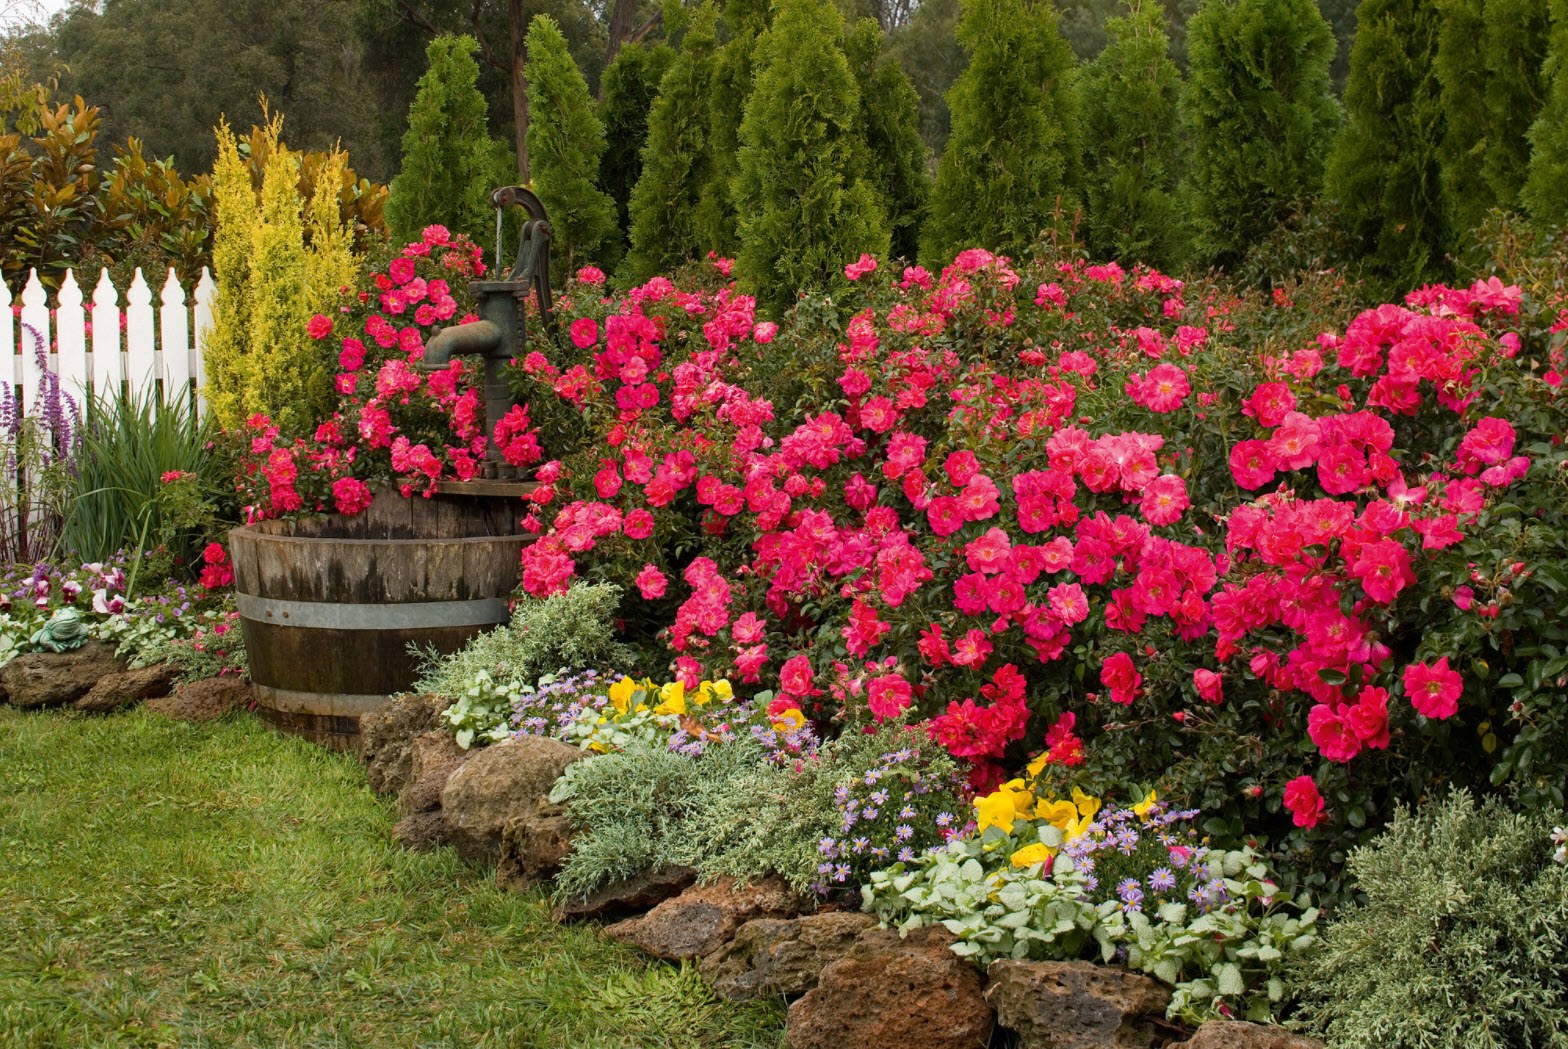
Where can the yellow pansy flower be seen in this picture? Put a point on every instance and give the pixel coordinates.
(674, 699)
(1037, 765)
(996, 810)
(787, 721)
(1031, 854)
(1023, 797)
(621, 693)
(723, 691)
(1059, 814)
(1087, 804)
(1143, 807)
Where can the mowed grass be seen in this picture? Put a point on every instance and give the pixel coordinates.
(171, 884)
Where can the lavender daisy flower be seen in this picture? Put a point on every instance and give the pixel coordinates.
(1162, 880)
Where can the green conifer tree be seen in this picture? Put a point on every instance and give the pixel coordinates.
(565, 144)
(1133, 146)
(890, 114)
(677, 165)
(1461, 69)
(744, 22)
(1258, 115)
(1489, 59)
(1515, 44)
(1546, 185)
(1384, 167)
(628, 90)
(450, 162)
(1012, 163)
(806, 206)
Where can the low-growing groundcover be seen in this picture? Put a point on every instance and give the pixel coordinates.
(171, 884)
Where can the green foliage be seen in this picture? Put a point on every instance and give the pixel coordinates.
(129, 443)
(890, 114)
(928, 50)
(627, 93)
(806, 202)
(734, 76)
(630, 809)
(1459, 941)
(450, 162)
(568, 631)
(1132, 144)
(1545, 191)
(677, 164)
(1515, 45)
(260, 359)
(1012, 166)
(251, 893)
(1383, 171)
(1258, 114)
(1232, 954)
(565, 146)
(1461, 69)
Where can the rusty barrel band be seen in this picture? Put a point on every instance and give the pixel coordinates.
(330, 615)
(319, 704)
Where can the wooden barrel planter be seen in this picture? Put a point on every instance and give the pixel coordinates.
(329, 605)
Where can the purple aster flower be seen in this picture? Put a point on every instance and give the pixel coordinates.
(1130, 892)
(904, 832)
(1162, 880)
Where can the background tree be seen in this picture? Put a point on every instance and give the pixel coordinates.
(1383, 171)
(1546, 184)
(1259, 118)
(890, 115)
(1514, 42)
(1133, 149)
(565, 145)
(450, 162)
(1012, 163)
(165, 71)
(806, 206)
(1461, 70)
(733, 78)
(677, 165)
(628, 89)
(929, 53)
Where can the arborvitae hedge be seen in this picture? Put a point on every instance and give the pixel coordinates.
(1461, 69)
(565, 143)
(450, 162)
(665, 230)
(1012, 164)
(628, 89)
(1133, 148)
(1515, 45)
(1384, 169)
(890, 115)
(1259, 117)
(1546, 186)
(806, 207)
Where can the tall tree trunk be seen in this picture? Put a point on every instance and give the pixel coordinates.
(519, 85)
(623, 18)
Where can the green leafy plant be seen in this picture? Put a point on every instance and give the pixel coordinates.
(573, 630)
(1458, 942)
(146, 476)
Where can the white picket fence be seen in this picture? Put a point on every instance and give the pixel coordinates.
(88, 349)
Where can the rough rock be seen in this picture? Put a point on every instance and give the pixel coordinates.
(204, 700)
(628, 896)
(703, 918)
(118, 691)
(496, 784)
(1235, 1034)
(534, 847)
(769, 957)
(435, 755)
(420, 831)
(892, 993)
(1076, 1005)
(387, 739)
(53, 679)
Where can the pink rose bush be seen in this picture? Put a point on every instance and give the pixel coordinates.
(998, 495)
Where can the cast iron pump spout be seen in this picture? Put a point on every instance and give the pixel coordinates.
(500, 334)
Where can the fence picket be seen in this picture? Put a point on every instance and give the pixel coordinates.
(141, 341)
(35, 315)
(12, 374)
(174, 322)
(71, 328)
(206, 292)
(107, 370)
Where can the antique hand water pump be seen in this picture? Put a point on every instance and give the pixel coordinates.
(500, 334)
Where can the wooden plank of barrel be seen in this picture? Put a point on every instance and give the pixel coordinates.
(329, 605)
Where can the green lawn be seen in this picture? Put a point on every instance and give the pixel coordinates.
(170, 884)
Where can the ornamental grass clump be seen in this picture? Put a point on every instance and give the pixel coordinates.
(1459, 941)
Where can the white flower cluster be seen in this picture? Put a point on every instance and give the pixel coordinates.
(1560, 839)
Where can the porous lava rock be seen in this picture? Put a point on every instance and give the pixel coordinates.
(770, 957)
(495, 785)
(204, 700)
(119, 691)
(703, 918)
(627, 896)
(534, 847)
(53, 679)
(434, 757)
(1237, 1034)
(1077, 1005)
(386, 738)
